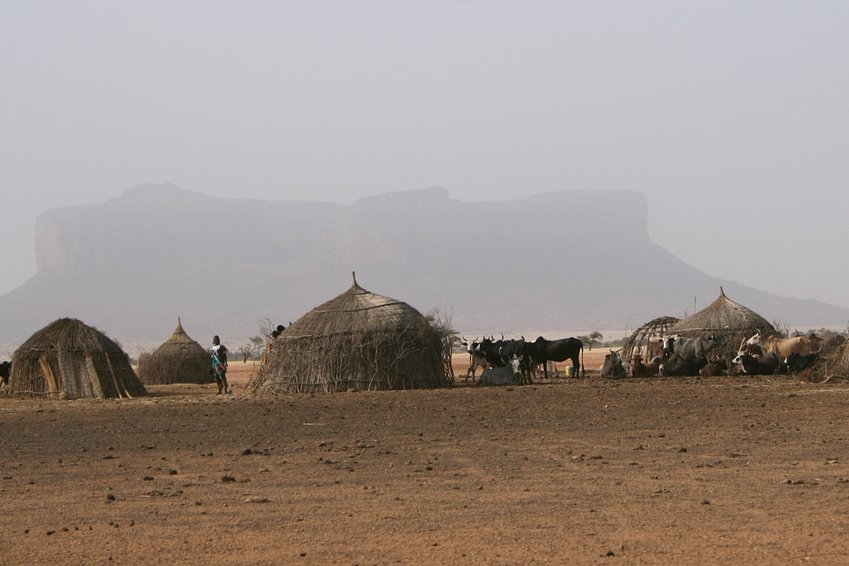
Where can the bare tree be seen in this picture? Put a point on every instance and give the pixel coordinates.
(266, 327)
(257, 343)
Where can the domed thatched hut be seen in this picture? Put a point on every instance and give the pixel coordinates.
(724, 319)
(178, 360)
(647, 340)
(359, 340)
(68, 360)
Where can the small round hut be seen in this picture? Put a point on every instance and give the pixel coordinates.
(359, 340)
(69, 360)
(647, 340)
(724, 319)
(178, 360)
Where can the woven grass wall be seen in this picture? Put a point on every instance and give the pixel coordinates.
(176, 365)
(69, 360)
(366, 360)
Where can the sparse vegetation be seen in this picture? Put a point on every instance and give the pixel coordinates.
(590, 339)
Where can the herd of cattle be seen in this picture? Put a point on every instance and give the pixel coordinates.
(757, 355)
(509, 362)
(506, 362)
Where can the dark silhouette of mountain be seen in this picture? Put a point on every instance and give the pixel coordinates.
(565, 260)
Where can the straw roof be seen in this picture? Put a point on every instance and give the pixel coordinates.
(178, 360)
(647, 339)
(68, 359)
(358, 340)
(726, 319)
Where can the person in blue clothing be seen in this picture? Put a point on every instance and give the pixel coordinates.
(219, 365)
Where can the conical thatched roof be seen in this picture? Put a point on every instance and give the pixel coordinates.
(358, 340)
(178, 360)
(726, 319)
(647, 340)
(355, 310)
(68, 359)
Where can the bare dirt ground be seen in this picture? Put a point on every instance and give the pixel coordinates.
(731, 470)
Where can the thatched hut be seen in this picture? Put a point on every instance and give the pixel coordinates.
(724, 319)
(69, 360)
(178, 360)
(359, 340)
(647, 340)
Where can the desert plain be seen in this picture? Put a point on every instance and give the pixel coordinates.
(730, 470)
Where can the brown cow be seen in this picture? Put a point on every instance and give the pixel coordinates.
(646, 370)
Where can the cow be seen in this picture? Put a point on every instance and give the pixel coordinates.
(5, 372)
(490, 349)
(476, 358)
(613, 366)
(646, 370)
(542, 351)
(782, 347)
(507, 375)
(758, 365)
(510, 348)
(799, 362)
(690, 347)
(677, 365)
(714, 368)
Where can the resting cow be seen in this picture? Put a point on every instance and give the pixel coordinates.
(507, 375)
(677, 365)
(757, 364)
(711, 369)
(646, 370)
(690, 347)
(799, 362)
(613, 366)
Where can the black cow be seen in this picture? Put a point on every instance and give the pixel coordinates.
(5, 372)
(541, 351)
(799, 362)
(677, 365)
(491, 351)
(766, 364)
(510, 348)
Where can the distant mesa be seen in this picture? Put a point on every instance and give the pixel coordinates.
(554, 261)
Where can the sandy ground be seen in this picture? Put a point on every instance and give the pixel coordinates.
(724, 470)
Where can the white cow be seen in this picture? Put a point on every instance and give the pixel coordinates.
(476, 358)
(510, 374)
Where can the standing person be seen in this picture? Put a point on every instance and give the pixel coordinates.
(219, 365)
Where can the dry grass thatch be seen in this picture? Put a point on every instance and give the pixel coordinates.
(647, 339)
(178, 360)
(359, 340)
(725, 319)
(68, 360)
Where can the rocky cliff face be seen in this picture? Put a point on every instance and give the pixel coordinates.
(553, 261)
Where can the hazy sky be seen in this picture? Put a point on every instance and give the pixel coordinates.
(732, 117)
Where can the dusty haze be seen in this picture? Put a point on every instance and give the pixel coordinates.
(730, 117)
